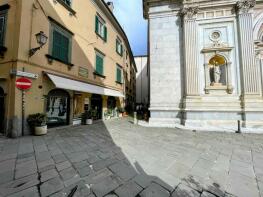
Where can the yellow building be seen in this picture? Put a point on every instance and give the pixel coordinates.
(75, 53)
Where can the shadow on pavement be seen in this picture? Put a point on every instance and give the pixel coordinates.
(86, 156)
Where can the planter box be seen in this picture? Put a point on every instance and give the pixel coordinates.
(76, 121)
(88, 121)
(42, 130)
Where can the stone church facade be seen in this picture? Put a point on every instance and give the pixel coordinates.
(206, 62)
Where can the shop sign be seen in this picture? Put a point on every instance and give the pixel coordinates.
(24, 74)
(86, 101)
(83, 72)
(23, 83)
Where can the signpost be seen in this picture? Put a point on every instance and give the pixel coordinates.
(23, 84)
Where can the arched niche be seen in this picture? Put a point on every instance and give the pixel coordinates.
(218, 71)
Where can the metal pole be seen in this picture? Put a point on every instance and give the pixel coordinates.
(23, 112)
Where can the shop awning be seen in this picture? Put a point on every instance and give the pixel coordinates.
(69, 84)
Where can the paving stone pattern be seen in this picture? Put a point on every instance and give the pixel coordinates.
(119, 159)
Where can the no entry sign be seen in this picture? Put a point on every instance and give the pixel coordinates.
(23, 83)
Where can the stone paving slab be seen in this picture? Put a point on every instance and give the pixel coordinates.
(119, 159)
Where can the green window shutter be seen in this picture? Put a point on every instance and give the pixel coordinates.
(60, 48)
(105, 33)
(56, 44)
(97, 24)
(117, 46)
(119, 77)
(99, 65)
(121, 50)
(64, 48)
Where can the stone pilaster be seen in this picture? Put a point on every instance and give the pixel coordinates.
(191, 51)
(250, 70)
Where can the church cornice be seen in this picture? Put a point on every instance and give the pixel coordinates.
(202, 4)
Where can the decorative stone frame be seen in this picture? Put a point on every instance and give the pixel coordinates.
(225, 53)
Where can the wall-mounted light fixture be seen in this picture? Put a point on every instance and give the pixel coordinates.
(41, 40)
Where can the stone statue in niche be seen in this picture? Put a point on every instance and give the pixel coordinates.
(215, 74)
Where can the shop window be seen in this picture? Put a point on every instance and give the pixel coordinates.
(58, 108)
(99, 64)
(111, 103)
(61, 43)
(100, 28)
(78, 105)
(118, 74)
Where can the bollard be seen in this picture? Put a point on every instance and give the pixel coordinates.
(238, 127)
(135, 121)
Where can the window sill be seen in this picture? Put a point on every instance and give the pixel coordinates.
(98, 74)
(100, 36)
(119, 82)
(67, 7)
(119, 54)
(50, 57)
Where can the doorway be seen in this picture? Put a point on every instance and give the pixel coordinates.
(2, 110)
(58, 108)
(96, 106)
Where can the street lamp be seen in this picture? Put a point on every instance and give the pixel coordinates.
(41, 40)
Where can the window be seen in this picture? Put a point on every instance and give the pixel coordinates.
(67, 2)
(100, 28)
(3, 16)
(119, 74)
(119, 47)
(61, 43)
(99, 64)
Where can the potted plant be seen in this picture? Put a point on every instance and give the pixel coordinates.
(121, 111)
(87, 118)
(38, 123)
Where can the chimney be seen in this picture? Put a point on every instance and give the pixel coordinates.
(110, 5)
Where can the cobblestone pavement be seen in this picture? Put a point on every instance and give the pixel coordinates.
(117, 158)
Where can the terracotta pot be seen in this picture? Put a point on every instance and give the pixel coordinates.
(41, 130)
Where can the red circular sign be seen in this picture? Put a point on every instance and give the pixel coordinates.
(23, 83)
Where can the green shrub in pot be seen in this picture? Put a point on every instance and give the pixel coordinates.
(38, 122)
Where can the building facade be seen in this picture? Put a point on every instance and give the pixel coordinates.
(79, 64)
(206, 63)
(142, 81)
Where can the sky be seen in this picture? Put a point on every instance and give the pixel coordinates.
(130, 15)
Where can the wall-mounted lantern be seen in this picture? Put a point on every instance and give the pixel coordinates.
(41, 40)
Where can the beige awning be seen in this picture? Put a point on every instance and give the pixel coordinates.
(69, 84)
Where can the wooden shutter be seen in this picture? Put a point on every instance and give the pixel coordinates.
(97, 24)
(105, 33)
(99, 65)
(60, 46)
(119, 77)
(2, 30)
(121, 50)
